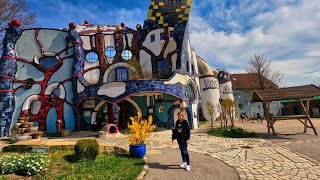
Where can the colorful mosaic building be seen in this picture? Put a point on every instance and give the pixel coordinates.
(90, 75)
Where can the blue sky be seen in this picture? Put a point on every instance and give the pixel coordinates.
(224, 32)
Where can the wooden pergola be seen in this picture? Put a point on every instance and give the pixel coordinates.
(297, 93)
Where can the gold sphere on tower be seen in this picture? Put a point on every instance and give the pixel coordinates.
(138, 26)
(100, 29)
(119, 28)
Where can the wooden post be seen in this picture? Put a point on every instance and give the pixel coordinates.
(307, 113)
(271, 121)
(307, 116)
(266, 107)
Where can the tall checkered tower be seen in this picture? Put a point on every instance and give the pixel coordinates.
(169, 12)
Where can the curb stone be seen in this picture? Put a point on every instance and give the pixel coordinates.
(316, 162)
(145, 169)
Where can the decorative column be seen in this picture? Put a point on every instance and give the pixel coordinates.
(115, 110)
(8, 69)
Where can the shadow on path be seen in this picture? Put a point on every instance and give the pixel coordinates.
(165, 166)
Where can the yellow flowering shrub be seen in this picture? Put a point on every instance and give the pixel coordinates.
(140, 129)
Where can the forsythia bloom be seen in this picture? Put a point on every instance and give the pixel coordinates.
(140, 129)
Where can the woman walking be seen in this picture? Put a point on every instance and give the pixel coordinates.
(181, 132)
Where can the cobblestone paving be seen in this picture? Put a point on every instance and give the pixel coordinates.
(252, 158)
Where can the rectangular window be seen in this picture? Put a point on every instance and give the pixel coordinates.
(188, 66)
(151, 102)
(192, 70)
(170, 1)
(152, 38)
(121, 74)
(166, 17)
(162, 36)
(178, 1)
(164, 69)
(171, 33)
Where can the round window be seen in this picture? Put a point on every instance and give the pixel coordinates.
(92, 57)
(110, 52)
(126, 55)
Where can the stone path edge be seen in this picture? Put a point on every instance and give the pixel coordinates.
(303, 156)
(145, 169)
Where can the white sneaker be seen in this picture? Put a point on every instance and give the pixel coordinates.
(188, 168)
(183, 165)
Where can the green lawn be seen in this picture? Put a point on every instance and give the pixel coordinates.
(231, 132)
(64, 165)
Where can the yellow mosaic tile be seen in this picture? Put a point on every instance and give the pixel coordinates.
(152, 18)
(161, 20)
(150, 13)
(187, 11)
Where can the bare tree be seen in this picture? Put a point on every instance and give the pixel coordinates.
(213, 110)
(14, 9)
(227, 106)
(262, 75)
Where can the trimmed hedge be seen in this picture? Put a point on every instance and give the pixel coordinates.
(17, 148)
(86, 149)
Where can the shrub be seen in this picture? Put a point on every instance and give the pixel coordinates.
(86, 149)
(17, 148)
(231, 132)
(24, 164)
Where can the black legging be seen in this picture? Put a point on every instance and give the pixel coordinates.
(183, 146)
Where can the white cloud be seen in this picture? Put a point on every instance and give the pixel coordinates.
(288, 36)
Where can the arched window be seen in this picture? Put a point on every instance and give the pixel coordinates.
(192, 94)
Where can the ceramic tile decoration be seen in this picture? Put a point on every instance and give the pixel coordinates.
(94, 74)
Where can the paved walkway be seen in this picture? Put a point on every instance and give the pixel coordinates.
(164, 165)
(251, 158)
(289, 134)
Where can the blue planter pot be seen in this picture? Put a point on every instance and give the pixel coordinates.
(137, 151)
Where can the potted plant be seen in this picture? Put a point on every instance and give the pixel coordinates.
(140, 130)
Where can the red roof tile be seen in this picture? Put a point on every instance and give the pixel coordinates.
(244, 81)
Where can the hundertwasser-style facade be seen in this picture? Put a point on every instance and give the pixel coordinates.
(91, 74)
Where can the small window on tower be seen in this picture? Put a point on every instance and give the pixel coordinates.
(152, 38)
(171, 33)
(162, 36)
